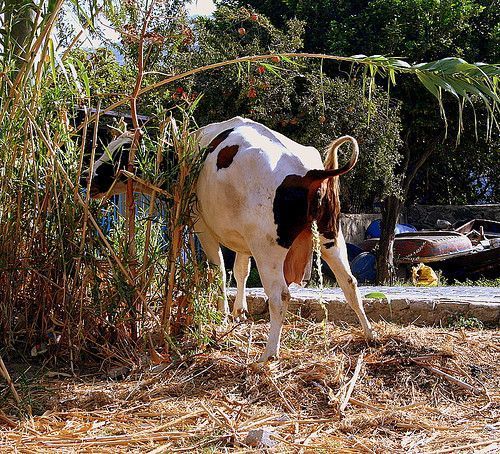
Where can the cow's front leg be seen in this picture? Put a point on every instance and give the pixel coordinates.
(241, 271)
(279, 297)
(270, 268)
(335, 254)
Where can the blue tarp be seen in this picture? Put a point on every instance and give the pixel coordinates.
(353, 251)
(373, 230)
(364, 267)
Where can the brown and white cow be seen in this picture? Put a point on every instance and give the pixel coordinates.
(258, 194)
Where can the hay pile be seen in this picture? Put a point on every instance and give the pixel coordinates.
(416, 390)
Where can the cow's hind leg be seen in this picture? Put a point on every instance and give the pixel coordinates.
(336, 257)
(241, 271)
(270, 266)
(213, 252)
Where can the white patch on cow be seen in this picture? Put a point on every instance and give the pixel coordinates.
(107, 156)
(207, 133)
(308, 155)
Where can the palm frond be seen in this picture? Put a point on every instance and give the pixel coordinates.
(452, 75)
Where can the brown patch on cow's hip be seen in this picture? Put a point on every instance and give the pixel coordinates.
(298, 202)
(226, 156)
(298, 257)
(301, 200)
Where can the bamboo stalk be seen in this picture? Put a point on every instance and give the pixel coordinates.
(146, 257)
(174, 253)
(146, 184)
(130, 202)
(61, 169)
(10, 383)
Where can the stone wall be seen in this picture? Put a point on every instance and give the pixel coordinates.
(425, 216)
(415, 305)
(354, 226)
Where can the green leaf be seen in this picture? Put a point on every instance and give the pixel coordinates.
(290, 61)
(84, 77)
(376, 295)
(429, 84)
(447, 65)
(194, 104)
(74, 75)
(52, 59)
(273, 69)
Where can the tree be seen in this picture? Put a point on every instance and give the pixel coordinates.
(295, 99)
(459, 176)
(419, 30)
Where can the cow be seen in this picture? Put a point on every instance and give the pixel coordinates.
(258, 193)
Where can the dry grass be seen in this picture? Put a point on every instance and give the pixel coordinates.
(208, 402)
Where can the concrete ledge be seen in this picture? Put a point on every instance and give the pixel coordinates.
(418, 305)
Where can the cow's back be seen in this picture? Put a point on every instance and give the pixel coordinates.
(246, 162)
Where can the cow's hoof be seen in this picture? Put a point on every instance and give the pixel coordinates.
(257, 366)
(264, 358)
(262, 365)
(372, 336)
(240, 316)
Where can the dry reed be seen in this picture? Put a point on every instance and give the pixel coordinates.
(68, 289)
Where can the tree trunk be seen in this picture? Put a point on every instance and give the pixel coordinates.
(391, 209)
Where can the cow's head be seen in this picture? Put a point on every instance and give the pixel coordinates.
(105, 177)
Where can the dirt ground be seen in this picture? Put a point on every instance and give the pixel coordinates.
(417, 390)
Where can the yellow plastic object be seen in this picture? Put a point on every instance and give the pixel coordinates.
(424, 275)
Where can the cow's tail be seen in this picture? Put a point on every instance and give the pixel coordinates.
(328, 216)
(331, 161)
